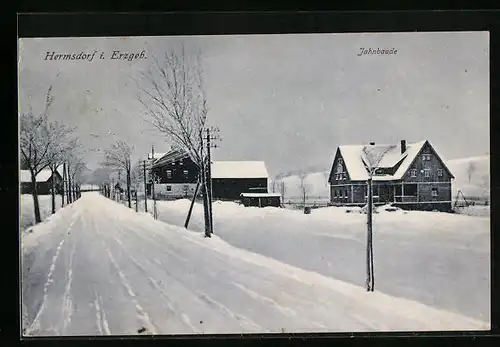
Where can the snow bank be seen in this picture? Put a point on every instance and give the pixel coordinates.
(27, 210)
(422, 256)
(30, 237)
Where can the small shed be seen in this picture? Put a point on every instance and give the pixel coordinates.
(261, 199)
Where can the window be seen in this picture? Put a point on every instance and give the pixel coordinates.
(410, 190)
(335, 192)
(414, 173)
(340, 193)
(181, 162)
(186, 173)
(440, 172)
(427, 173)
(169, 174)
(346, 194)
(426, 157)
(169, 188)
(434, 192)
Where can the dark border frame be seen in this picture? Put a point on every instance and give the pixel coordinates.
(275, 22)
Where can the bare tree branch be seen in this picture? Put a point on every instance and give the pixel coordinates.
(172, 94)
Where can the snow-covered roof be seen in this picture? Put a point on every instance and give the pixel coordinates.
(355, 158)
(239, 169)
(260, 195)
(156, 155)
(42, 176)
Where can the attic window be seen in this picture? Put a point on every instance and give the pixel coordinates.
(440, 172)
(413, 173)
(426, 157)
(169, 174)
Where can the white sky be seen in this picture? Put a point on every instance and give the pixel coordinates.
(289, 100)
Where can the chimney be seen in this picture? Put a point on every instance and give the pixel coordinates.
(403, 146)
(152, 152)
(372, 143)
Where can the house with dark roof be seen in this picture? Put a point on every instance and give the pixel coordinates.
(43, 181)
(176, 176)
(410, 176)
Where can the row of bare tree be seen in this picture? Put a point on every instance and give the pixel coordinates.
(46, 144)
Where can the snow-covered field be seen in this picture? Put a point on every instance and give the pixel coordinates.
(439, 259)
(27, 209)
(99, 268)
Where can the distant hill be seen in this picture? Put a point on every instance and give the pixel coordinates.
(478, 187)
(479, 184)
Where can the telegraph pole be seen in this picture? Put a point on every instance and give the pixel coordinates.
(209, 183)
(209, 137)
(145, 189)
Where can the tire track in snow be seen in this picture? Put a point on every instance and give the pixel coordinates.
(183, 317)
(36, 321)
(101, 321)
(213, 303)
(202, 297)
(35, 324)
(256, 296)
(67, 308)
(244, 321)
(142, 315)
(226, 258)
(151, 240)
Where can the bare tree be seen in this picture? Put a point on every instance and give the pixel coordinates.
(304, 187)
(118, 158)
(326, 175)
(471, 169)
(174, 101)
(35, 140)
(58, 152)
(76, 167)
(371, 156)
(282, 189)
(273, 184)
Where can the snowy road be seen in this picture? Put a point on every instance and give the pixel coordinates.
(99, 268)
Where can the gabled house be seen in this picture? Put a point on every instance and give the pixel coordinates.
(43, 182)
(175, 175)
(410, 176)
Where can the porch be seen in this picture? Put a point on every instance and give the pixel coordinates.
(389, 192)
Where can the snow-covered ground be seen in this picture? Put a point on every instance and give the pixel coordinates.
(27, 209)
(439, 259)
(97, 267)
